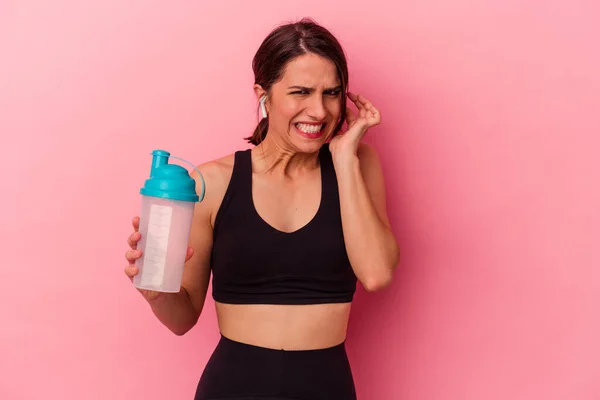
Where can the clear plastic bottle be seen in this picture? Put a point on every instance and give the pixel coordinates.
(168, 200)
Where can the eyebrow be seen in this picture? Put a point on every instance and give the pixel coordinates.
(339, 87)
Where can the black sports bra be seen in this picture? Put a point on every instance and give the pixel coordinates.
(254, 263)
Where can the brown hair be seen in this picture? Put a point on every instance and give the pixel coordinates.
(287, 42)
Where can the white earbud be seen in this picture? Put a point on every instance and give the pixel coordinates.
(263, 109)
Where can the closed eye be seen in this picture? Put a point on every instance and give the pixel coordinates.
(333, 93)
(300, 90)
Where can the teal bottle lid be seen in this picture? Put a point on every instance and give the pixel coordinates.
(170, 181)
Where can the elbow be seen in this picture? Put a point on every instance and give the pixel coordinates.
(181, 330)
(382, 279)
(184, 327)
(376, 283)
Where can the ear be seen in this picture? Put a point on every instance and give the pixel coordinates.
(259, 91)
(262, 99)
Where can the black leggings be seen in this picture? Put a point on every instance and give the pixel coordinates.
(239, 371)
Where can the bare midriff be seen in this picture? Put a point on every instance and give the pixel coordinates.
(285, 327)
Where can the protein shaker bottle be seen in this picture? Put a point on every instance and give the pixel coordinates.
(168, 199)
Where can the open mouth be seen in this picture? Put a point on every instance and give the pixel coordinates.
(311, 131)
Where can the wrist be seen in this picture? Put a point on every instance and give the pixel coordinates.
(158, 299)
(344, 159)
(346, 166)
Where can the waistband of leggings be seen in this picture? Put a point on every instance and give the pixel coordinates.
(225, 340)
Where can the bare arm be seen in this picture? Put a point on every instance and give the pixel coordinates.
(371, 245)
(179, 312)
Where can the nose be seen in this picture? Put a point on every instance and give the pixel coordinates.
(316, 108)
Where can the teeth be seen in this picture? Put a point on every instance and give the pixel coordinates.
(309, 128)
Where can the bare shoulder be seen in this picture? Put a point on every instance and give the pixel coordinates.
(217, 171)
(369, 158)
(216, 175)
(366, 151)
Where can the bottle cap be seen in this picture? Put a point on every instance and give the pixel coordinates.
(169, 181)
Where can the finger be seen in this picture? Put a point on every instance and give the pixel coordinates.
(136, 223)
(363, 101)
(376, 115)
(189, 254)
(363, 112)
(352, 96)
(132, 255)
(133, 239)
(131, 271)
(368, 106)
(373, 111)
(354, 99)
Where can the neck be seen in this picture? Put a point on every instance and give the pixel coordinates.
(276, 156)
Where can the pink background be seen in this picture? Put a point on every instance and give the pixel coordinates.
(490, 147)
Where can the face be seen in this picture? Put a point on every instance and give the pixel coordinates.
(305, 105)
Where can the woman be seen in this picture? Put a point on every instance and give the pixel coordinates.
(287, 228)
